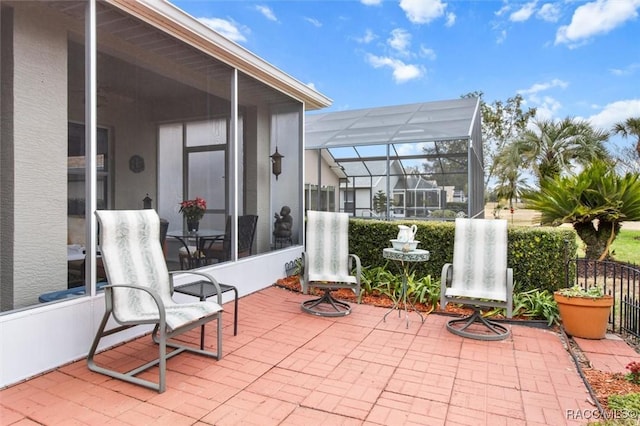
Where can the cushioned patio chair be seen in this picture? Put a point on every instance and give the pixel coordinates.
(140, 291)
(327, 263)
(478, 277)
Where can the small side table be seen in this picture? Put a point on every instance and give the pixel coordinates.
(205, 289)
(407, 260)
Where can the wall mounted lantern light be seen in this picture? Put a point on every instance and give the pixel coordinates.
(146, 202)
(276, 163)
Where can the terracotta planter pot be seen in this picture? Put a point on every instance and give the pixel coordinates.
(583, 316)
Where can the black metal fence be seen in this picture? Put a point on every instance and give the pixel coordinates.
(622, 281)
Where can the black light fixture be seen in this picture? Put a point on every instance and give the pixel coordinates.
(276, 163)
(146, 202)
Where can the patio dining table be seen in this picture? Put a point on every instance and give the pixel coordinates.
(196, 236)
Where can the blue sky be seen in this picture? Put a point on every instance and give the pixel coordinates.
(567, 58)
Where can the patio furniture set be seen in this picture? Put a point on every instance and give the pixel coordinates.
(140, 288)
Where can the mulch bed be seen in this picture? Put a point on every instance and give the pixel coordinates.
(607, 384)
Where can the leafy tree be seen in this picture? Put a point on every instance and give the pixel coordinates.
(446, 163)
(595, 201)
(554, 146)
(502, 124)
(630, 127)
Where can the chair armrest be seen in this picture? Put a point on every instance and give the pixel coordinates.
(356, 259)
(509, 292)
(304, 277)
(108, 294)
(202, 274)
(445, 281)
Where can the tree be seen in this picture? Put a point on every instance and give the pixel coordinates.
(511, 184)
(502, 124)
(630, 127)
(380, 202)
(595, 201)
(554, 147)
(446, 162)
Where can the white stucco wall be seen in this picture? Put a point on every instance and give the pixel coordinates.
(40, 136)
(329, 178)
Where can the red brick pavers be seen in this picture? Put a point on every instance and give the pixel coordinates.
(286, 367)
(611, 354)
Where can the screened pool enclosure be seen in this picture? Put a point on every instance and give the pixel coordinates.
(419, 160)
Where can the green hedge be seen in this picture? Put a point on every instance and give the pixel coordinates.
(536, 254)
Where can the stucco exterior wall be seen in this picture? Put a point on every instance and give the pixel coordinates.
(328, 177)
(40, 138)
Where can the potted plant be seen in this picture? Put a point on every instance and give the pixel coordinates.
(584, 313)
(193, 211)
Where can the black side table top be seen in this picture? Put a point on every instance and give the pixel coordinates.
(202, 289)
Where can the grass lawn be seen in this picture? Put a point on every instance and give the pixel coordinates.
(626, 247)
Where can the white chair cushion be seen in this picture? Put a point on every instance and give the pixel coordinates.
(131, 248)
(327, 246)
(480, 259)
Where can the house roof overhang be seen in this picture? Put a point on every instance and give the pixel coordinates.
(174, 21)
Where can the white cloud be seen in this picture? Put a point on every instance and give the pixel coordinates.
(506, 7)
(401, 72)
(371, 2)
(539, 87)
(628, 70)
(615, 112)
(549, 12)
(423, 11)
(314, 22)
(524, 13)
(367, 38)
(311, 85)
(502, 36)
(594, 18)
(400, 40)
(428, 53)
(451, 19)
(267, 12)
(226, 28)
(546, 107)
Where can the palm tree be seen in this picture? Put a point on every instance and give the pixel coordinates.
(596, 202)
(554, 146)
(630, 127)
(511, 184)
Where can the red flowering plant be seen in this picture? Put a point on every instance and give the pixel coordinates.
(634, 375)
(193, 210)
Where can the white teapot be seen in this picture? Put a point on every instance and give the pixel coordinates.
(407, 233)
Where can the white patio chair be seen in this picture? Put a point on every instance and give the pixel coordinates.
(478, 277)
(140, 291)
(327, 263)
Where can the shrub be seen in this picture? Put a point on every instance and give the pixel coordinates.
(535, 304)
(628, 403)
(537, 255)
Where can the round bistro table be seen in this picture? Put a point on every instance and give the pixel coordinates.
(407, 262)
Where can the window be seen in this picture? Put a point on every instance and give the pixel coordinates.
(76, 164)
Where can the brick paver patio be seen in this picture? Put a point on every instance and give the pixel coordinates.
(286, 367)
